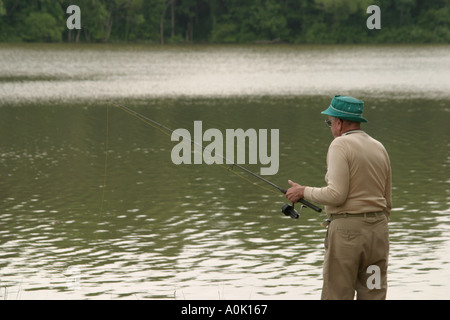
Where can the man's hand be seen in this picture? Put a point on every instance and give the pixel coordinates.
(295, 192)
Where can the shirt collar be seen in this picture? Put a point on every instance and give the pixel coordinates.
(352, 131)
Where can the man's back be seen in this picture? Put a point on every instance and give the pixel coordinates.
(358, 177)
(369, 173)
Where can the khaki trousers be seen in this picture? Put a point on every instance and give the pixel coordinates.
(356, 258)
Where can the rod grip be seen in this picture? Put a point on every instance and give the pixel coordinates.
(304, 202)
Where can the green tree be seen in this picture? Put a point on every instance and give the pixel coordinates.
(41, 27)
(2, 8)
(341, 10)
(225, 21)
(94, 20)
(268, 20)
(257, 20)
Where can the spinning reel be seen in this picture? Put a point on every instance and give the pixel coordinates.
(289, 210)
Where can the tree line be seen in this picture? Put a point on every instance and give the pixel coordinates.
(226, 21)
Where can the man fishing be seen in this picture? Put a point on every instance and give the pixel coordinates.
(357, 200)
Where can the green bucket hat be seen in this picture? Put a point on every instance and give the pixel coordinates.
(346, 108)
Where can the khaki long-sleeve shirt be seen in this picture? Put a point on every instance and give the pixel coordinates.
(358, 176)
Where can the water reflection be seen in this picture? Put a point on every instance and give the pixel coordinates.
(36, 72)
(183, 232)
(199, 232)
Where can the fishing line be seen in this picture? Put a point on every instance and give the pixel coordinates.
(106, 164)
(166, 131)
(286, 209)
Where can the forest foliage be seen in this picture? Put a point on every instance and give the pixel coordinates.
(226, 21)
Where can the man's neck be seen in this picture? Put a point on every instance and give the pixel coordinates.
(349, 131)
(347, 127)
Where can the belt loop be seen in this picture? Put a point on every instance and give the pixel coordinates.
(345, 214)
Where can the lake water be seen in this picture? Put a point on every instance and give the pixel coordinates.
(153, 229)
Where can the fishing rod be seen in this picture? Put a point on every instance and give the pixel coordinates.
(288, 210)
